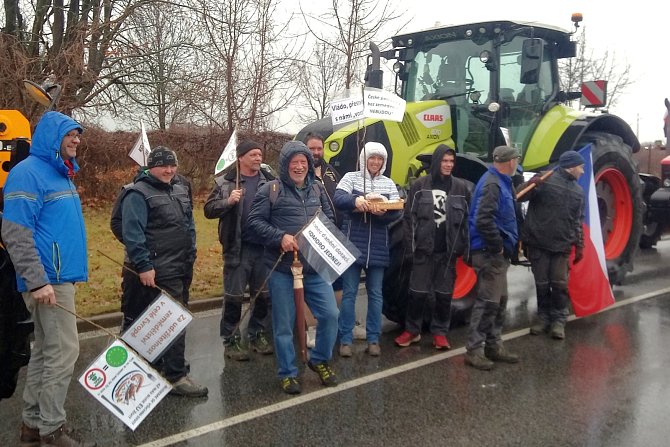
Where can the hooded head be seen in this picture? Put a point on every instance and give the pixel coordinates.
(290, 150)
(48, 136)
(372, 148)
(436, 160)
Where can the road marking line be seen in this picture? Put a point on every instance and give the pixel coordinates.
(294, 402)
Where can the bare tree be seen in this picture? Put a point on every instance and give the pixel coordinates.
(588, 66)
(158, 67)
(348, 27)
(69, 42)
(252, 63)
(320, 80)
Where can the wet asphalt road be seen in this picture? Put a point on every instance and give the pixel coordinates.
(607, 384)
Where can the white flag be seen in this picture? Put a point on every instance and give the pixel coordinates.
(141, 150)
(228, 156)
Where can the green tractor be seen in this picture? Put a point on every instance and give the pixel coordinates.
(474, 87)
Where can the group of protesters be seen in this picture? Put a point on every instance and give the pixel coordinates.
(260, 216)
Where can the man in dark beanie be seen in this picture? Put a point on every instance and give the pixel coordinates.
(552, 227)
(230, 202)
(159, 236)
(436, 234)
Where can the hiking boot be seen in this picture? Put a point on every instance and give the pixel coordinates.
(557, 331)
(290, 385)
(62, 437)
(29, 437)
(441, 342)
(261, 345)
(407, 338)
(477, 360)
(345, 351)
(235, 350)
(326, 374)
(373, 349)
(188, 388)
(500, 354)
(539, 328)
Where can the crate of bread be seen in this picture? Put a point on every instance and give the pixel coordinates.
(378, 202)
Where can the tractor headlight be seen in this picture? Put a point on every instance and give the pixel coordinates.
(666, 183)
(333, 146)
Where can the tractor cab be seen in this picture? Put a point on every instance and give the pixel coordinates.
(497, 78)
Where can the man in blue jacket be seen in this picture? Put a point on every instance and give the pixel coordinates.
(43, 228)
(276, 221)
(493, 239)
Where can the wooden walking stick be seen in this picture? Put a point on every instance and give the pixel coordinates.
(299, 297)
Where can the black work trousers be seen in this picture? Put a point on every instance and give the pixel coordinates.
(550, 271)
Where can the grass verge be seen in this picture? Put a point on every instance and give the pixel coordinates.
(102, 293)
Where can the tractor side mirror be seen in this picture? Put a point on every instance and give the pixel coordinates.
(531, 60)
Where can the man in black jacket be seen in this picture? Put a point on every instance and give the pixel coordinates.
(436, 234)
(159, 236)
(552, 227)
(230, 202)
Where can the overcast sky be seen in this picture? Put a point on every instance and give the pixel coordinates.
(635, 32)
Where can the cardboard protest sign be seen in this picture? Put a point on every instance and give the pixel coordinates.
(383, 105)
(124, 384)
(326, 249)
(157, 327)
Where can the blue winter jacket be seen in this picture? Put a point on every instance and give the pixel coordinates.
(368, 232)
(492, 220)
(43, 226)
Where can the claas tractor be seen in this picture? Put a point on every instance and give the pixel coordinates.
(474, 87)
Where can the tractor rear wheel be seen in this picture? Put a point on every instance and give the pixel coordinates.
(619, 201)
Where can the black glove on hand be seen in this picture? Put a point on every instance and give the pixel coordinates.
(535, 180)
(579, 254)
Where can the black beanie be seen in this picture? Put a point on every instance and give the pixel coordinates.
(161, 156)
(570, 159)
(245, 146)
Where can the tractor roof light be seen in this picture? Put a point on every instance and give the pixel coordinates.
(666, 183)
(397, 67)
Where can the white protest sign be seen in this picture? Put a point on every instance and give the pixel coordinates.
(141, 149)
(383, 105)
(328, 246)
(157, 327)
(125, 384)
(229, 154)
(346, 110)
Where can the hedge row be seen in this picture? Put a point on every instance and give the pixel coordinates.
(106, 166)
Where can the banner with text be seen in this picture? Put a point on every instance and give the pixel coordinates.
(157, 327)
(124, 384)
(371, 103)
(326, 249)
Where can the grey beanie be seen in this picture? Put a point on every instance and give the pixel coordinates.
(570, 159)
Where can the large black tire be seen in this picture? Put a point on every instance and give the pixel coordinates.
(619, 201)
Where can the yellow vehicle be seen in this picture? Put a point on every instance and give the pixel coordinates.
(15, 127)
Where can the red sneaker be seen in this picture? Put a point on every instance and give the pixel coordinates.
(407, 338)
(441, 342)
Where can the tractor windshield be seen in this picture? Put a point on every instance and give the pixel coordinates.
(455, 71)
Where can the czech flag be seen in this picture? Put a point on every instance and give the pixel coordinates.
(588, 283)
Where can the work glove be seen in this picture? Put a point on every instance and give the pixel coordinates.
(579, 254)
